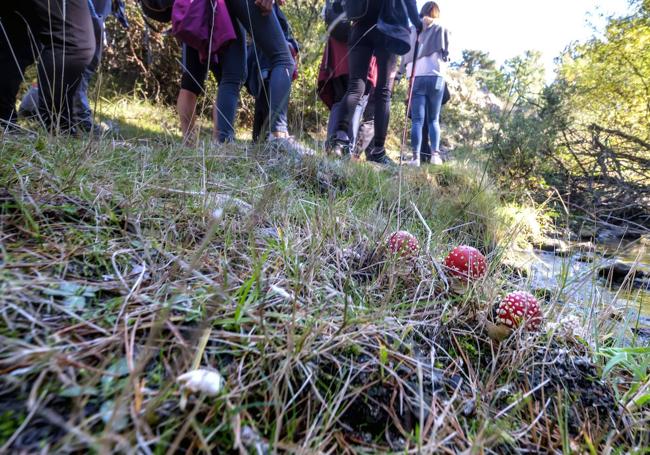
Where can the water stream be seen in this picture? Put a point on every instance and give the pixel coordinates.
(572, 278)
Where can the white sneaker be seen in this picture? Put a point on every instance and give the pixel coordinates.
(291, 145)
(435, 158)
(412, 161)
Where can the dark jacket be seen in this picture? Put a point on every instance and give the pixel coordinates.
(393, 23)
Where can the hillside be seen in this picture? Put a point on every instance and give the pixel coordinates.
(128, 262)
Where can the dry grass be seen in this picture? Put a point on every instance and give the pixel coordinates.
(123, 265)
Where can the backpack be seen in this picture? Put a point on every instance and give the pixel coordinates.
(158, 10)
(393, 24)
(337, 23)
(355, 9)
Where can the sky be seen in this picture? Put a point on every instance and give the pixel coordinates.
(506, 28)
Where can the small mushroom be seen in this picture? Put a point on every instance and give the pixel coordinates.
(403, 243)
(466, 263)
(202, 381)
(520, 307)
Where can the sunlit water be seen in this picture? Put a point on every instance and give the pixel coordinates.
(573, 280)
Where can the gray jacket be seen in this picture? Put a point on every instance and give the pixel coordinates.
(434, 38)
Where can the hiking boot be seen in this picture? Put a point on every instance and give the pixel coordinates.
(378, 155)
(338, 145)
(92, 128)
(290, 145)
(412, 161)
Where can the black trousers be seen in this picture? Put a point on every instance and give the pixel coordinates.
(59, 35)
(365, 41)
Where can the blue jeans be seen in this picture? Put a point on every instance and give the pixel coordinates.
(232, 68)
(99, 10)
(269, 38)
(426, 101)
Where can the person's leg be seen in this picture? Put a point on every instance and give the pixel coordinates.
(360, 54)
(83, 115)
(366, 131)
(269, 38)
(334, 118)
(192, 79)
(261, 118)
(356, 118)
(385, 74)
(434, 106)
(16, 54)
(186, 107)
(232, 65)
(339, 87)
(65, 30)
(418, 112)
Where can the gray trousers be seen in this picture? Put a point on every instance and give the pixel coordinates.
(335, 117)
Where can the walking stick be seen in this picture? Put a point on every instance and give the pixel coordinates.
(409, 95)
(416, 48)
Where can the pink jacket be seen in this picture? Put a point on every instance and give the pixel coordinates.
(191, 24)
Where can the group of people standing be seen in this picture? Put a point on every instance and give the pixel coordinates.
(358, 70)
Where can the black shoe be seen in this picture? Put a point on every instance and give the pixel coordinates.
(338, 146)
(92, 128)
(379, 156)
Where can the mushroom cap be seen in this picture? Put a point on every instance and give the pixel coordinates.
(466, 262)
(518, 307)
(403, 243)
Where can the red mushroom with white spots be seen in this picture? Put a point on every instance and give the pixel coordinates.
(519, 308)
(466, 263)
(403, 243)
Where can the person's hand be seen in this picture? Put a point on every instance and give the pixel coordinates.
(266, 6)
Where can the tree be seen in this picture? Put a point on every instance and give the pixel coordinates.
(603, 87)
(475, 61)
(523, 78)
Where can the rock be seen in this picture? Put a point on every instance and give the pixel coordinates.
(611, 234)
(515, 270)
(551, 245)
(643, 282)
(588, 232)
(555, 246)
(617, 272)
(584, 246)
(643, 333)
(587, 258)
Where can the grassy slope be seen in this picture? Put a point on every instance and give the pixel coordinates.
(126, 263)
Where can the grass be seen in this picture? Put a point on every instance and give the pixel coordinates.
(125, 263)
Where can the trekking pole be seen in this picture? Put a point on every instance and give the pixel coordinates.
(409, 96)
(406, 119)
